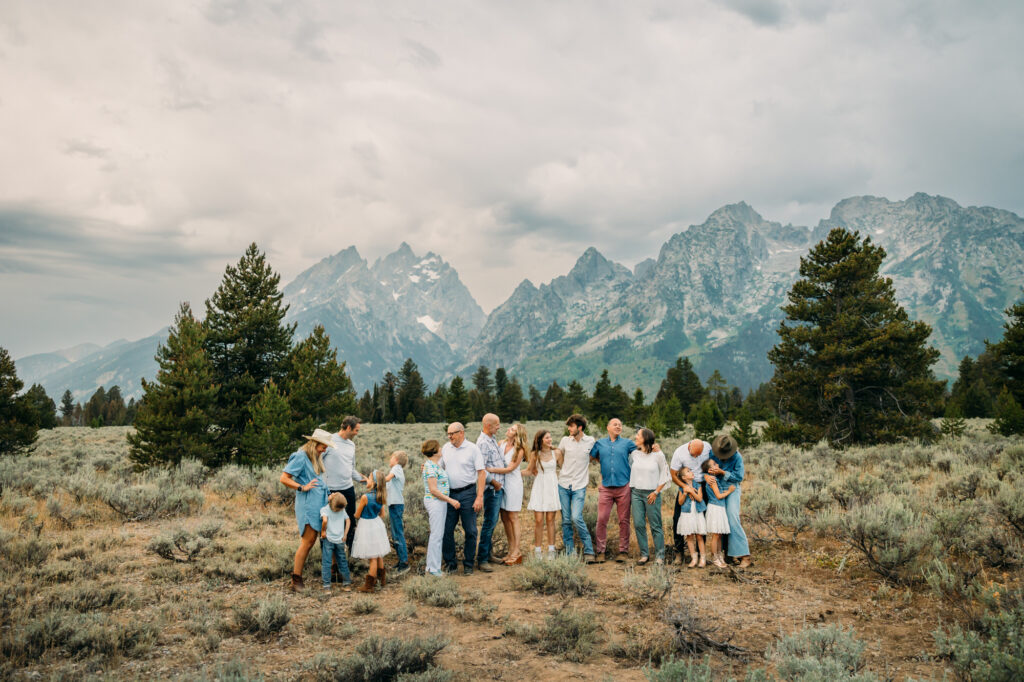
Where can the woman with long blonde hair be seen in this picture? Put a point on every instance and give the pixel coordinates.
(514, 449)
(301, 474)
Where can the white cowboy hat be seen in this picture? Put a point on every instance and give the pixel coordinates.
(322, 437)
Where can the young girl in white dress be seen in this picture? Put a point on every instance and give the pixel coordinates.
(371, 541)
(543, 463)
(514, 449)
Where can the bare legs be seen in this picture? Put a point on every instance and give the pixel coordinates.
(510, 521)
(306, 543)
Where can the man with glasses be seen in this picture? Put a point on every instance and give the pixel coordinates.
(466, 475)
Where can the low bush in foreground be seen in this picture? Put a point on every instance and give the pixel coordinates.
(827, 652)
(566, 632)
(994, 648)
(378, 659)
(77, 635)
(269, 617)
(564, 575)
(432, 591)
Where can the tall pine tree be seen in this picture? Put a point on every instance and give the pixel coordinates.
(850, 366)
(267, 434)
(411, 396)
(67, 407)
(18, 426)
(319, 391)
(1009, 352)
(683, 383)
(247, 342)
(175, 415)
(456, 406)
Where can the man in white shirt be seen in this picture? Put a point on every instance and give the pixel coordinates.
(690, 455)
(466, 476)
(572, 484)
(340, 468)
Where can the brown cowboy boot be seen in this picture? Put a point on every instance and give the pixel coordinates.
(297, 583)
(383, 577)
(368, 585)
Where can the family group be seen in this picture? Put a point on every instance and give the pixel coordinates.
(463, 479)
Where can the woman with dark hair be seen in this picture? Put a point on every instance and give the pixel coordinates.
(301, 474)
(436, 498)
(543, 463)
(648, 476)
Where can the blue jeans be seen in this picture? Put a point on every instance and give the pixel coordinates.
(331, 550)
(492, 505)
(467, 517)
(395, 512)
(738, 545)
(572, 515)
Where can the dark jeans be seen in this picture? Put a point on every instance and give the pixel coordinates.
(350, 507)
(492, 505)
(336, 552)
(467, 517)
(395, 512)
(678, 541)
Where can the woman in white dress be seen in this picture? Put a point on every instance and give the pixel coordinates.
(514, 449)
(543, 463)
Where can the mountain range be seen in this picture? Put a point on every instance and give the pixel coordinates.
(713, 293)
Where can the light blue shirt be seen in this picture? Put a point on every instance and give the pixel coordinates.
(396, 486)
(335, 523)
(614, 458)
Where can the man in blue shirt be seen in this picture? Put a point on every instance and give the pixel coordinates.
(613, 453)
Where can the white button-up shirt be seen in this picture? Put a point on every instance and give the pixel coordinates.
(682, 458)
(462, 463)
(340, 464)
(575, 474)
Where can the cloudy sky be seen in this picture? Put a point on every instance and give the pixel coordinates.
(146, 144)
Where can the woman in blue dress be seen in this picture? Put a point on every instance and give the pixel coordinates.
(301, 475)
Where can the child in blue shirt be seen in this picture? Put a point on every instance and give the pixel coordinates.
(333, 529)
(716, 520)
(395, 481)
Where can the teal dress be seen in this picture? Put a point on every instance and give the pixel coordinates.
(307, 504)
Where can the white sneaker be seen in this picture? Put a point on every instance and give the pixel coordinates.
(538, 553)
(551, 555)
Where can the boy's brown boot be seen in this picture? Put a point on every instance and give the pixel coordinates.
(383, 576)
(368, 585)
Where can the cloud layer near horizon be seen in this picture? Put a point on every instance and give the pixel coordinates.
(147, 144)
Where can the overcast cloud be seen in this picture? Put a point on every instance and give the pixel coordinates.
(146, 144)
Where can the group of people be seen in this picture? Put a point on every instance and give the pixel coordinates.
(463, 479)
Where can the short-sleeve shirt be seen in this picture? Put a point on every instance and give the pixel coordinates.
(396, 486)
(307, 503)
(614, 458)
(432, 470)
(575, 473)
(682, 458)
(335, 523)
(462, 463)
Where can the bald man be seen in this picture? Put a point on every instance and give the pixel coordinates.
(690, 455)
(466, 476)
(493, 459)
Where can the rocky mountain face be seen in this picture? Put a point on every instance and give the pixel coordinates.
(713, 293)
(715, 290)
(378, 315)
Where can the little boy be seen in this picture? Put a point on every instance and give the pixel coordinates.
(396, 507)
(333, 529)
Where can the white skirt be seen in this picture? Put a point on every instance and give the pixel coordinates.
(692, 523)
(371, 541)
(512, 499)
(717, 521)
(544, 496)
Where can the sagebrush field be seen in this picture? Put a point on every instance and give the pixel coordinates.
(867, 562)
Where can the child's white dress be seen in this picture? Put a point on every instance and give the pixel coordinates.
(692, 522)
(544, 496)
(371, 540)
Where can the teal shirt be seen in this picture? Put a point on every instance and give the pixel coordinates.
(614, 459)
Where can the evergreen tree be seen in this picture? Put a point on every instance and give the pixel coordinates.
(482, 397)
(603, 405)
(388, 399)
(511, 404)
(456, 407)
(717, 388)
(67, 407)
(669, 419)
(851, 366)
(42, 406)
(76, 416)
(977, 385)
(706, 419)
(319, 391)
(500, 381)
(411, 395)
(93, 412)
(267, 438)
(365, 409)
(247, 342)
(555, 406)
(953, 424)
(1009, 352)
(1009, 415)
(536, 401)
(436, 404)
(636, 413)
(114, 409)
(174, 416)
(576, 399)
(18, 427)
(744, 432)
(683, 383)
(130, 411)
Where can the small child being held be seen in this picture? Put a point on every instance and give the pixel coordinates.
(333, 529)
(396, 506)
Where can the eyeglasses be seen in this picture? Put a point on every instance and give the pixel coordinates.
(454, 433)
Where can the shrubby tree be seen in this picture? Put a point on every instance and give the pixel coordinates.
(247, 342)
(850, 365)
(1009, 352)
(18, 426)
(174, 420)
(456, 407)
(668, 417)
(67, 407)
(743, 432)
(268, 433)
(411, 396)
(319, 391)
(953, 424)
(42, 406)
(683, 383)
(1009, 419)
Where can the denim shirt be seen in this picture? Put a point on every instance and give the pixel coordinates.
(709, 495)
(733, 468)
(687, 501)
(614, 459)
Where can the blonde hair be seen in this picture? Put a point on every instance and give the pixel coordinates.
(336, 501)
(315, 457)
(380, 487)
(403, 459)
(519, 440)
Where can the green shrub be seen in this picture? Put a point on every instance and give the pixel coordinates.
(646, 643)
(826, 652)
(239, 560)
(233, 479)
(855, 487)
(150, 500)
(77, 635)
(89, 596)
(994, 649)
(270, 616)
(890, 535)
(269, 489)
(179, 545)
(378, 659)
(20, 552)
(364, 605)
(690, 670)
(565, 575)
(646, 588)
(432, 591)
(566, 632)
(1010, 504)
(190, 472)
(320, 624)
